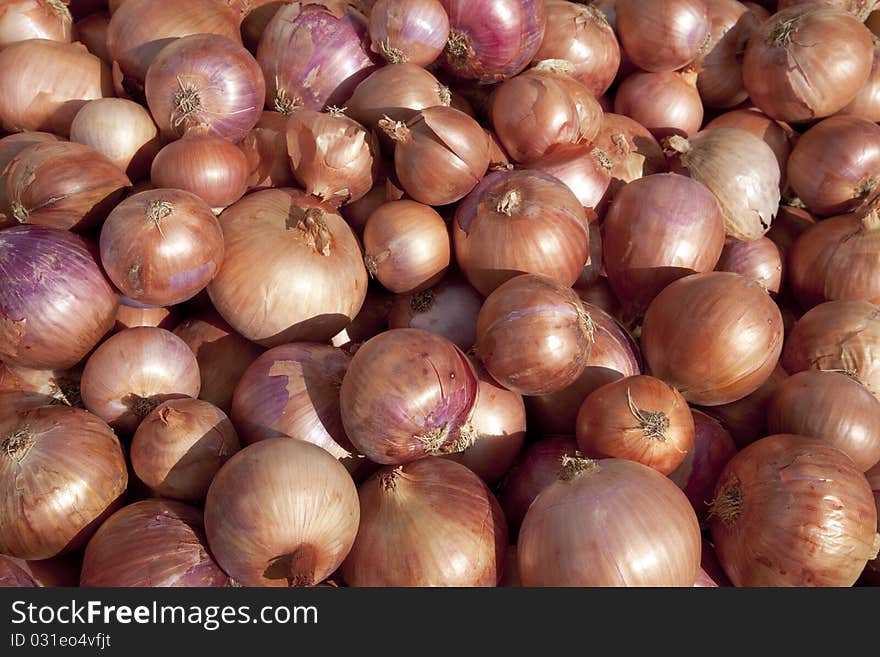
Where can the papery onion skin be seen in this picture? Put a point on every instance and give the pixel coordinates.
(725, 356)
(57, 386)
(34, 19)
(265, 148)
(152, 543)
(871, 574)
(585, 170)
(793, 511)
(866, 104)
(789, 224)
(659, 35)
(92, 31)
(135, 370)
(281, 512)
(833, 51)
(287, 258)
(441, 515)
(731, 25)
(131, 314)
(407, 394)
(666, 103)
(631, 149)
(413, 31)
(609, 523)
(43, 84)
(533, 335)
(10, 147)
(759, 260)
(32, 331)
(62, 471)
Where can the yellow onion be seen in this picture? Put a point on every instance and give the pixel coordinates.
(34, 19)
(666, 102)
(265, 147)
(10, 147)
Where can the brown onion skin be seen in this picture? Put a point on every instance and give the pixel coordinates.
(871, 574)
(212, 168)
(609, 523)
(358, 212)
(659, 35)
(793, 511)
(281, 512)
(34, 19)
(599, 294)
(130, 315)
(666, 103)
(437, 512)
(10, 147)
(63, 185)
(725, 356)
(789, 224)
(866, 104)
(638, 418)
(631, 148)
(758, 260)
(586, 171)
(860, 8)
(731, 25)
(518, 222)
(659, 229)
(92, 31)
(833, 51)
(413, 31)
(279, 238)
(265, 147)
(407, 394)
(152, 543)
(841, 336)
(255, 20)
(533, 335)
(43, 84)
(133, 371)
(698, 472)
(161, 247)
(63, 471)
(55, 386)
(179, 447)
(406, 246)
(832, 407)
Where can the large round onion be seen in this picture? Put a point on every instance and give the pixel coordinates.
(281, 512)
(731, 25)
(134, 371)
(51, 317)
(724, 356)
(777, 135)
(793, 511)
(151, 543)
(667, 102)
(662, 35)
(34, 19)
(407, 393)
(866, 104)
(759, 260)
(412, 31)
(293, 269)
(609, 523)
(62, 471)
(631, 149)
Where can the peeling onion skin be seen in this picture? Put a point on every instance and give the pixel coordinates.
(871, 574)
(725, 356)
(427, 523)
(281, 512)
(609, 523)
(62, 471)
(631, 148)
(793, 511)
(662, 35)
(265, 148)
(153, 543)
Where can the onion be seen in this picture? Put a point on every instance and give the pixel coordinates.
(609, 523)
(807, 62)
(55, 386)
(866, 104)
(265, 148)
(520, 222)
(741, 170)
(534, 335)
(595, 266)
(332, 156)
(666, 103)
(10, 147)
(860, 8)
(140, 29)
(406, 246)
(659, 229)
(131, 314)
(179, 447)
(725, 356)
(731, 25)
(121, 130)
(586, 171)
(51, 317)
(662, 35)
(412, 31)
(371, 320)
(599, 294)
(222, 354)
(448, 308)
(638, 418)
(793, 511)
(134, 371)
(631, 149)
(787, 226)
(438, 513)
(440, 154)
(258, 13)
(711, 567)
(62, 471)
(490, 40)
(385, 189)
(407, 394)
(58, 571)
(758, 260)
(281, 512)
(698, 472)
(153, 543)
(580, 34)
(841, 336)
(92, 31)
(313, 55)
(34, 19)
(293, 269)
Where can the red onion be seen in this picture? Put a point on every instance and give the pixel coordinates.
(34, 19)
(662, 35)
(413, 31)
(758, 260)
(666, 103)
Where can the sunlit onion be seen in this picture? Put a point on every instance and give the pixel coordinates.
(34, 19)
(866, 104)
(631, 149)
(662, 35)
(585, 170)
(758, 260)
(413, 31)
(666, 103)
(731, 25)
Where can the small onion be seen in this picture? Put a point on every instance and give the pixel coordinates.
(151, 543)
(438, 513)
(413, 31)
(631, 149)
(662, 35)
(62, 471)
(34, 19)
(666, 103)
(131, 314)
(866, 104)
(281, 512)
(586, 171)
(759, 260)
(265, 148)
(731, 25)
(92, 32)
(134, 371)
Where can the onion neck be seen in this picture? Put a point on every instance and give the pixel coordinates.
(18, 444)
(602, 159)
(284, 104)
(422, 301)
(591, 12)
(396, 130)
(140, 406)
(654, 424)
(186, 102)
(60, 8)
(509, 203)
(727, 505)
(574, 467)
(444, 94)
(458, 49)
(313, 226)
(67, 393)
(388, 480)
(391, 54)
(781, 35)
(676, 145)
(297, 567)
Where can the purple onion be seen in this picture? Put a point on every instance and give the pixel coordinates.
(313, 56)
(490, 40)
(55, 301)
(151, 543)
(413, 31)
